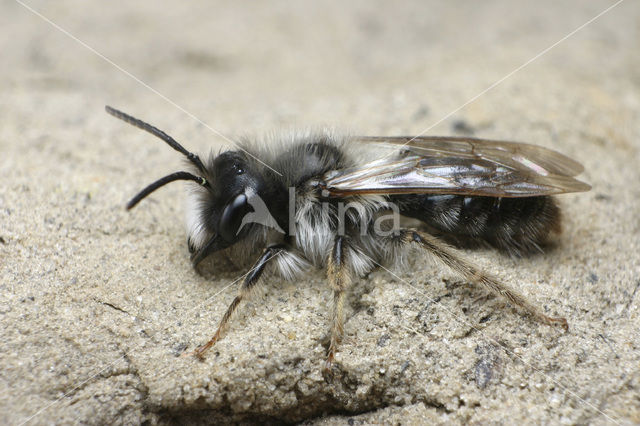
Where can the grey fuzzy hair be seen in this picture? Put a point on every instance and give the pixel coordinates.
(316, 227)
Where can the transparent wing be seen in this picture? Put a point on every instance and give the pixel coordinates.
(465, 166)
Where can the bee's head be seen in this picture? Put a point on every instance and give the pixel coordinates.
(231, 186)
(219, 215)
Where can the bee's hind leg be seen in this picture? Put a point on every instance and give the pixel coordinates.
(250, 281)
(339, 275)
(472, 273)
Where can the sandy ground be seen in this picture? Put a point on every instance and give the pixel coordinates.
(97, 303)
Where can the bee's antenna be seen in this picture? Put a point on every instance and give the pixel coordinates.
(162, 182)
(158, 133)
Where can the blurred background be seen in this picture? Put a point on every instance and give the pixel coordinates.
(266, 64)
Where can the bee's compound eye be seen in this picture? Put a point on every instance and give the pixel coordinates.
(231, 218)
(238, 168)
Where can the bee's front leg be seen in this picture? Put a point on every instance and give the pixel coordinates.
(250, 281)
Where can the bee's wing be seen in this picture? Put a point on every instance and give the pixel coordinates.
(463, 166)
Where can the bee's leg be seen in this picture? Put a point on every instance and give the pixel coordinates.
(339, 276)
(472, 273)
(249, 283)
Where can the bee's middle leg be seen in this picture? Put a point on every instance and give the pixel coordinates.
(338, 273)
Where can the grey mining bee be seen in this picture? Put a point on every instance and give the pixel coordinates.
(281, 205)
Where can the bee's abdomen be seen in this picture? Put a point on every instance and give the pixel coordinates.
(515, 225)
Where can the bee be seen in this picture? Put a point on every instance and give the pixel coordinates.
(338, 203)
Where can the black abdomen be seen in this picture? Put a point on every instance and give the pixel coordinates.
(515, 225)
